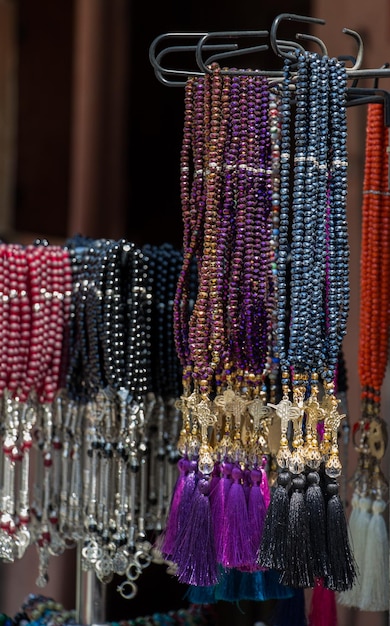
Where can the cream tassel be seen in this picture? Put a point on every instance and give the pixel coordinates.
(358, 527)
(375, 580)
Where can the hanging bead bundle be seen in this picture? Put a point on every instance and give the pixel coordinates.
(36, 285)
(224, 343)
(88, 384)
(309, 340)
(263, 198)
(369, 500)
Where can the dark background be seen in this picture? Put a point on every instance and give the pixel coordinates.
(151, 127)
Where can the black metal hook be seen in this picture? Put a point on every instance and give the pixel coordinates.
(171, 35)
(317, 40)
(205, 65)
(376, 80)
(363, 95)
(161, 71)
(359, 56)
(291, 17)
(287, 45)
(224, 55)
(233, 47)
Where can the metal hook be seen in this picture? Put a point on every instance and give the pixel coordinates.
(347, 57)
(156, 59)
(365, 95)
(359, 56)
(281, 47)
(160, 71)
(234, 53)
(376, 80)
(230, 34)
(293, 17)
(285, 44)
(171, 35)
(317, 40)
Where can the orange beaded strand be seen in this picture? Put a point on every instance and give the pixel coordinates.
(374, 261)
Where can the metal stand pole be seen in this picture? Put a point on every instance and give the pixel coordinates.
(90, 596)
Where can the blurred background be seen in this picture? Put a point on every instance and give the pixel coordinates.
(90, 141)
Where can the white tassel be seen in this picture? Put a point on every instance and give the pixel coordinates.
(359, 521)
(375, 581)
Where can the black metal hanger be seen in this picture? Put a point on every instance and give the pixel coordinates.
(232, 47)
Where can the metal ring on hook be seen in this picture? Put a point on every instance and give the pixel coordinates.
(133, 570)
(317, 40)
(142, 558)
(121, 589)
(292, 17)
(359, 56)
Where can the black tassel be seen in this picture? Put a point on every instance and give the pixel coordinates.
(316, 517)
(298, 571)
(342, 568)
(273, 547)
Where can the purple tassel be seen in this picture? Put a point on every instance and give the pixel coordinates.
(256, 514)
(215, 476)
(218, 499)
(238, 549)
(247, 483)
(265, 488)
(171, 527)
(184, 506)
(195, 553)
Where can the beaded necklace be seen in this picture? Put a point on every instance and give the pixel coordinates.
(193, 205)
(337, 271)
(254, 201)
(58, 293)
(76, 336)
(230, 326)
(206, 321)
(283, 455)
(203, 320)
(4, 303)
(97, 255)
(38, 305)
(374, 313)
(19, 316)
